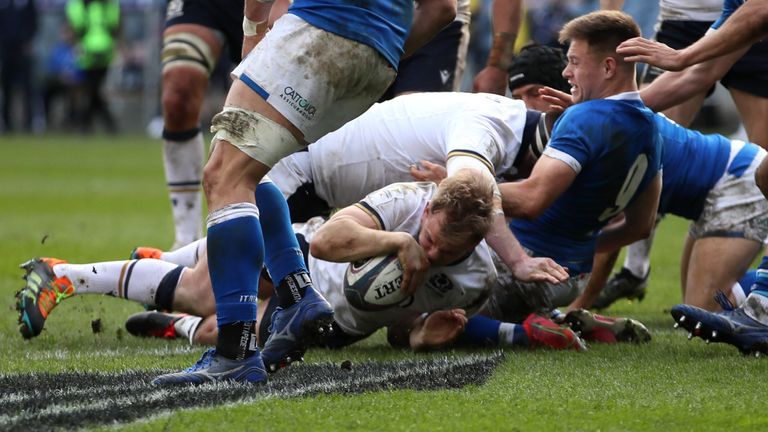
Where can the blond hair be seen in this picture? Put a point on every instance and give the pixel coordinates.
(467, 202)
(602, 30)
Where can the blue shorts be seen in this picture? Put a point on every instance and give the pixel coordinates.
(433, 68)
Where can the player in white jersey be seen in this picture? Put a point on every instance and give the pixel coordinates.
(439, 228)
(479, 131)
(401, 133)
(460, 269)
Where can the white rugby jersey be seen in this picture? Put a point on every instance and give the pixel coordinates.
(399, 207)
(377, 148)
(690, 10)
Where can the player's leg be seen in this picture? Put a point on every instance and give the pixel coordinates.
(745, 327)
(190, 52)
(593, 294)
(747, 81)
(49, 281)
(251, 136)
(753, 110)
(730, 230)
(716, 263)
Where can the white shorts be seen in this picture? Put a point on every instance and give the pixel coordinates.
(316, 79)
(734, 207)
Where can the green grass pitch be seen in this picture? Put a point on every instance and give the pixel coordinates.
(93, 199)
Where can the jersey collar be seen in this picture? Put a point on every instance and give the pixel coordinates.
(630, 95)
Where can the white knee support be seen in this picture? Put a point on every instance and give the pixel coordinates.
(186, 49)
(255, 135)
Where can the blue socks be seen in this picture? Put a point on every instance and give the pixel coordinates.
(284, 259)
(235, 256)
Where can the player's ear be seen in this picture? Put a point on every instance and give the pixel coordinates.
(609, 66)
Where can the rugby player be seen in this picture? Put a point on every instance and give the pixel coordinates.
(709, 180)
(603, 158)
(437, 227)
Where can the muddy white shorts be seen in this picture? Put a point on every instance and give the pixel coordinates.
(735, 207)
(316, 79)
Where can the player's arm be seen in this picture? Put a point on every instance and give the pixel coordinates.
(255, 23)
(353, 233)
(506, 24)
(746, 26)
(529, 198)
(638, 222)
(429, 17)
(673, 88)
(500, 237)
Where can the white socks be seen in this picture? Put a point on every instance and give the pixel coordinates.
(183, 161)
(638, 260)
(507, 334)
(186, 326)
(135, 280)
(187, 255)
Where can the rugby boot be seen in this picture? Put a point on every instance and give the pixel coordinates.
(41, 293)
(153, 324)
(621, 285)
(213, 367)
(733, 327)
(144, 252)
(599, 328)
(294, 328)
(542, 331)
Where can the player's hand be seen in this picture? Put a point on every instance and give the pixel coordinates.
(539, 270)
(415, 264)
(428, 172)
(654, 53)
(439, 329)
(491, 80)
(558, 100)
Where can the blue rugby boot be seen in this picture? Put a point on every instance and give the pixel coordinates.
(212, 367)
(733, 327)
(294, 328)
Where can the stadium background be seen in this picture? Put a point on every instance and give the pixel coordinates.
(96, 197)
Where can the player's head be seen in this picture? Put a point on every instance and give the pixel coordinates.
(594, 68)
(458, 217)
(535, 67)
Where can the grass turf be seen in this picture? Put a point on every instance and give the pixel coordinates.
(95, 198)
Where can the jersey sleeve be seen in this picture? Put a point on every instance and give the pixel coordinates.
(472, 138)
(729, 7)
(568, 142)
(393, 207)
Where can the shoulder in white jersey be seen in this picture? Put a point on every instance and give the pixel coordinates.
(399, 207)
(378, 148)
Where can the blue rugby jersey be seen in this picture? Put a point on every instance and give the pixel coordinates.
(381, 24)
(614, 146)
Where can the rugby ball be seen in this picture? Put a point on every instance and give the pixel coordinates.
(374, 283)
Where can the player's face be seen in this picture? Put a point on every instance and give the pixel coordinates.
(584, 72)
(439, 250)
(529, 94)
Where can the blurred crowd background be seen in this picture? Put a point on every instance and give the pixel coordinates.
(52, 81)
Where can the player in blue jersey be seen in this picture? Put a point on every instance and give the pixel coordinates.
(709, 180)
(321, 64)
(603, 158)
